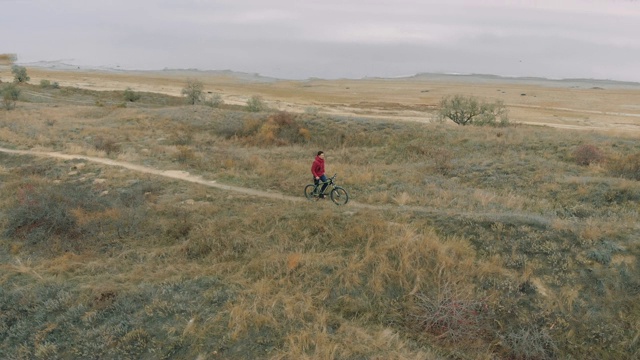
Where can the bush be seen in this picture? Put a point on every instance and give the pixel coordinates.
(10, 94)
(193, 91)
(282, 129)
(442, 160)
(239, 124)
(588, 154)
(469, 110)
(214, 101)
(20, 74)
(108, 145)
(256, 104)
(46, 84)
(530, 343)
(130, 95)
(43, 211)
(185, 154)
(626, 166)
(452, 315)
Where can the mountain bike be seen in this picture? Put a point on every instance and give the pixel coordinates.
(338, 195)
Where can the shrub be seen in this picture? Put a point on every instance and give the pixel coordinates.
(239, 125)
(587, 155)
(108, 145)
(442, 160)
(603, 254)
(530, 343)
(626, 166)
(46, 84)
(214, 101)
(185, 154)
(282, 129)
(10, 94)
(42, 211)
(193, 91)
(469, 110)
(451, 315)
(130, 95)
(20, 74)
(256, 104)
(312, 110)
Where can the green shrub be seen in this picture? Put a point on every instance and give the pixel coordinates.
(193, 91)
(256, 104)
(214, 101)
(46, 84)
(130, 95)
(20, 74)
(604, 252)
(10, 94)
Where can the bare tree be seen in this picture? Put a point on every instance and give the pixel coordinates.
(465, 110)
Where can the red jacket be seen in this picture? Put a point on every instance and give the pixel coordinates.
(317, 169)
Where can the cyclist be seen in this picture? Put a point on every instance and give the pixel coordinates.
(317, 169)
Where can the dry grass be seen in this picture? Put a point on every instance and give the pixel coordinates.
(459, 243)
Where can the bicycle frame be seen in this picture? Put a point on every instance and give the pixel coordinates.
(338, 195)
(330, 185)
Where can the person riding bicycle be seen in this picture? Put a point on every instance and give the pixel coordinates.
(317, 169)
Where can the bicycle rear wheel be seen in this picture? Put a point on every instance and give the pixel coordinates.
(339, 196)
(308, 191)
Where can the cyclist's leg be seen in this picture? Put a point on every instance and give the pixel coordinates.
(316, 182)
(323, 178)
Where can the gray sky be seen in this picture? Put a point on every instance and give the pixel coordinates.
(297, 39)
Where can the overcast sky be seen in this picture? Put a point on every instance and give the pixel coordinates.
(297, 39)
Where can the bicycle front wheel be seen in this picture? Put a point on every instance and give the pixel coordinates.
(308, 191)
(339, 196)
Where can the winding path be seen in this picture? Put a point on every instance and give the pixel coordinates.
(174, 174)
(510, 217)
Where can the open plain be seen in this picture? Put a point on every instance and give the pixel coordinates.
(576, 104)
(147, 228)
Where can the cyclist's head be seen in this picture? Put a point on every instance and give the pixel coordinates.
(320, 152)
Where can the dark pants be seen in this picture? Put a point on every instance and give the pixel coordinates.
(323, 178)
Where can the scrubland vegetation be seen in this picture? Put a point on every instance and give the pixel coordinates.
(466, 242)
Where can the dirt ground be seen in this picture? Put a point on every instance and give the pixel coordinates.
(577, 104)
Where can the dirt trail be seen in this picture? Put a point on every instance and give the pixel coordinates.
(173, 174)
(524, 218)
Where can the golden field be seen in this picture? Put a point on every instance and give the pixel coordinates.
(155, 229)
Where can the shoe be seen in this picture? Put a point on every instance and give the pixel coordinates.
(322, 196)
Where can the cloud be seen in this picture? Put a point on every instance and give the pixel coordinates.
(331, 36)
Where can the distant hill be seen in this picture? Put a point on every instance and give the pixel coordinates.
(489, 79)
(63, 65)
